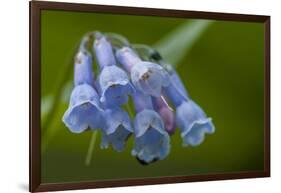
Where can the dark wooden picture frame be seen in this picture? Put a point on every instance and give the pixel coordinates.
(35, 87)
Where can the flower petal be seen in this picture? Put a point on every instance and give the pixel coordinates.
(79, 117)
(149, 78)
(74, 122)
(193, 123)
(151, 146)
(84, 93)
(118, 128)
(116, 117)
(118, 138)
(146, 119)
(84, 110)
(196, 134)
(116, 82)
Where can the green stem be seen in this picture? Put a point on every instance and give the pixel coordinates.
(91, 149)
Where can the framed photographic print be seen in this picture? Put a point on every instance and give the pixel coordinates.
(123, 96)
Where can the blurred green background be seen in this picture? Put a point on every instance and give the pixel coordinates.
(221, 64)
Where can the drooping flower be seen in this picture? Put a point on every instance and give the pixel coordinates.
(84, 108)
(152, 142)
(190, 118)
(166, 113)
(118, 129)
(113, 81)
(115, 86)
(147, 77)
(194, 123)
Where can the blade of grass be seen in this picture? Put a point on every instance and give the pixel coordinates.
(175, 45)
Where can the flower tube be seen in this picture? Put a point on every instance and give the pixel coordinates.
(113, 81)
(84, 109)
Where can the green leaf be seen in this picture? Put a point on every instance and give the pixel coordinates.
(175, 45)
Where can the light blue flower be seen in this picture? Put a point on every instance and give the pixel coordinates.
(84, 110)
(152, 142)
(193, 123)
(149, 78)
(118, 129)
(146, 76)
(190, 118)
(114, 83)
(83, 69)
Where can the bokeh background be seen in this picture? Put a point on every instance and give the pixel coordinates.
(221, 64)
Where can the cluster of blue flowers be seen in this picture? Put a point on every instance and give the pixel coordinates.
(97, 103)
